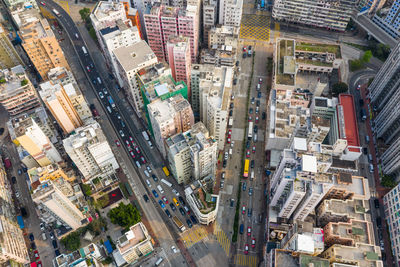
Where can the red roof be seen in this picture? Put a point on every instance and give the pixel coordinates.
(350, 120)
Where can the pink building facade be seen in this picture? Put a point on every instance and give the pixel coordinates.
(179, 58)
(154, 32)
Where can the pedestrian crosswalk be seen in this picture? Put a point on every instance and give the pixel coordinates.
(222, 238)
(255, 27)
(194, 235)
(245, 260)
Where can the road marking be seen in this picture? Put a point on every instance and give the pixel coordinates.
(245, 260)
(194, 235)
(222, 238)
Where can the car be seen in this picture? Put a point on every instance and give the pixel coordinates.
(176, 193)
(249, 212)
(257, 119)
(365, 150)
(173, 208)
(127, 143)
(222, 175)
(51, 235)
(181, 200)
(154, 193)
(33, 245)
(249, 231)
(94, 81)
(252, 100)
(376, 203)
(229, 132)
(161, 204)
(257, 110)
(189, 223)
(248, 153)
(146, 198)
(260, 81)
(149, 169)
(252, 163)
(383, 256)
(168, 213)
(250, 119)
(230, 112)
(259, 94)
(231, 105)
(31, 237)
(234, 81)
(88, 69)
(174, 249)
(143, 160)
(246, 249)
(358, 87)
(250, 191)
(137, 149)
(193, 219)
(224, 163)
(226, 156)
(23, 212)
(182, 211)
(258, 103)
(165, 200)
(232, 203)
(13, 180)
(186, 209)
(57, 252)
(248, 144)
(19, 171)
(54, 242)
(253, 149)
(117, 143)
(237, 63)
(244, 49)
(43, 3)
(251, 111)
(221, 184)
(36, 254)
(42, 226)
(130, 138)
(253, 242)
(132, 154)
(263, 116)
(243, 209)
(244, 186)
(121, 133)
(155, 179)
(228, 140)
(105, 91)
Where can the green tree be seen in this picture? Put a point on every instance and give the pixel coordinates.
(92, 33)
(124, 215)
(87, 189)
(72, 241)
(388, 181)
(24, 82)
(339, 88)
(85, 14)
(367, 56)
(103, 201)
(356, 65)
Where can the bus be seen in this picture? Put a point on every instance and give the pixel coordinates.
(246, 168)
(166, 182)
(250, 132)
(145, 135)
(179, 224)
(56, 13)
(166, 171)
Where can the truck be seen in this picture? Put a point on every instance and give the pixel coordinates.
(145, 136)
(111, 101)
(179, 224)
(230, 123)
(7, 163)
(56, 12)
(84, 50)
(363, 114)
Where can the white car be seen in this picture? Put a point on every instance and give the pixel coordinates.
(174, 249)
(17, 193)
(175, 192)
(149, 169)
(101, 95)
(42, 227)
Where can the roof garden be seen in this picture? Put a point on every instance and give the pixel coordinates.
(320, 48)
(286, 65)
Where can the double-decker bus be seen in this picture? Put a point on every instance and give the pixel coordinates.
(246, 168)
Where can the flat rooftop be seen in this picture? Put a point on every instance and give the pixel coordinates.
(132, 57)
(319, 48)
(285, 62)
(350, 120)
(134, 236)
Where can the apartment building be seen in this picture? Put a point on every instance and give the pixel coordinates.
(89, 150)
(333, 16)
(179, 59)
(230, 12)
(281, 257)
(223, 36)
(209, 17)
(389, 19)
(27, 133)
(129, 60)
(41, 45)
(58, 102)
(17, 94)
(91, 252)
(219, 55)
(391, 206)
(9, 58)
(132, 13)
(133, 245)
(347, 186)
(13, 248)
(192, 154)
(53, 198)
(189, 26)
(169, 117)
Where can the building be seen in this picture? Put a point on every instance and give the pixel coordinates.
(218, 55)
(192, 154)
(388, 19)
(211, 96)
(13, 4)
(17, 94)
(133, 15)
(12, 242)
(391, 206)
(92, 253)
(281, 257)
(134, 244)
(56, 99)
(202, 201)
(27, 133)
(169, 117)
(209, 17)
(179, 59)
(230, 12)
(89, 150)
(9, 58)
(347, 186)
(50, 172)
(50, 198)
(227, 36)
(189, 26)
(129, 60)
(311, 13)
(41, 45)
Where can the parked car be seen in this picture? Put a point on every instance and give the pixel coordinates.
(54, 242)
(376, 203)
(146, 198)
(31, 237)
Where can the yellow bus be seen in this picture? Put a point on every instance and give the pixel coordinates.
(246, 168)
(166, 171)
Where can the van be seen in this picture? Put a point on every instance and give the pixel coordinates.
(252, 175)
(109, 109)
(146, 173)
(255, 138)
(369, 157)
(367, 139)
(158, 262)
(148, 183)
(99, 80)
(230, 151)
(241, 229)
(160, 189)
(176, 202)
(44, 237)
(371, 168)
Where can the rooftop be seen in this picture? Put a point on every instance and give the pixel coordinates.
(134, 56)
(13, 80)
(286, 64)
(350, 120)
(350, 208)
(319, 48)
(359, 185)
(104, 9)
(362, 254)
(136, 235)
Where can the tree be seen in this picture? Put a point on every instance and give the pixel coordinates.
(388, 181)
(85, 13)
(124, 215)
(24, 82)
(367, 56)
(356, 65)
(339, 88)
(72, 241)
(87, 189)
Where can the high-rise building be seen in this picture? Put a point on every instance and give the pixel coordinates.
(391, 206)
(58, 102)
(230, 12)
(169, 117)
(188, 26)
(17, 94)
(192, 154)
(179, 59)
(129, 60)
(209, 17)
(27, 133)
(388, 20)
(89, 150)
(41, 45)
(133, 14)
(333, 16)
(8, 56)
(12, 242)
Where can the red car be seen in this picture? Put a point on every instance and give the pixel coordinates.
(248, 154)
(254, 149)
(228, 140)
(43, 3)
(36, 253)
(132, 154)
(256, 119)
(39, 264)
(117, 143)
(88, 69)
(130, 138)
(260, 81)
(253, 242)
(165, 200)
(229, 132)
(250, 118)
(249, 231)
(127, 143)
(137, 149)
(246, 249)
(243, 209)
(244, 49)
(143, 160)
